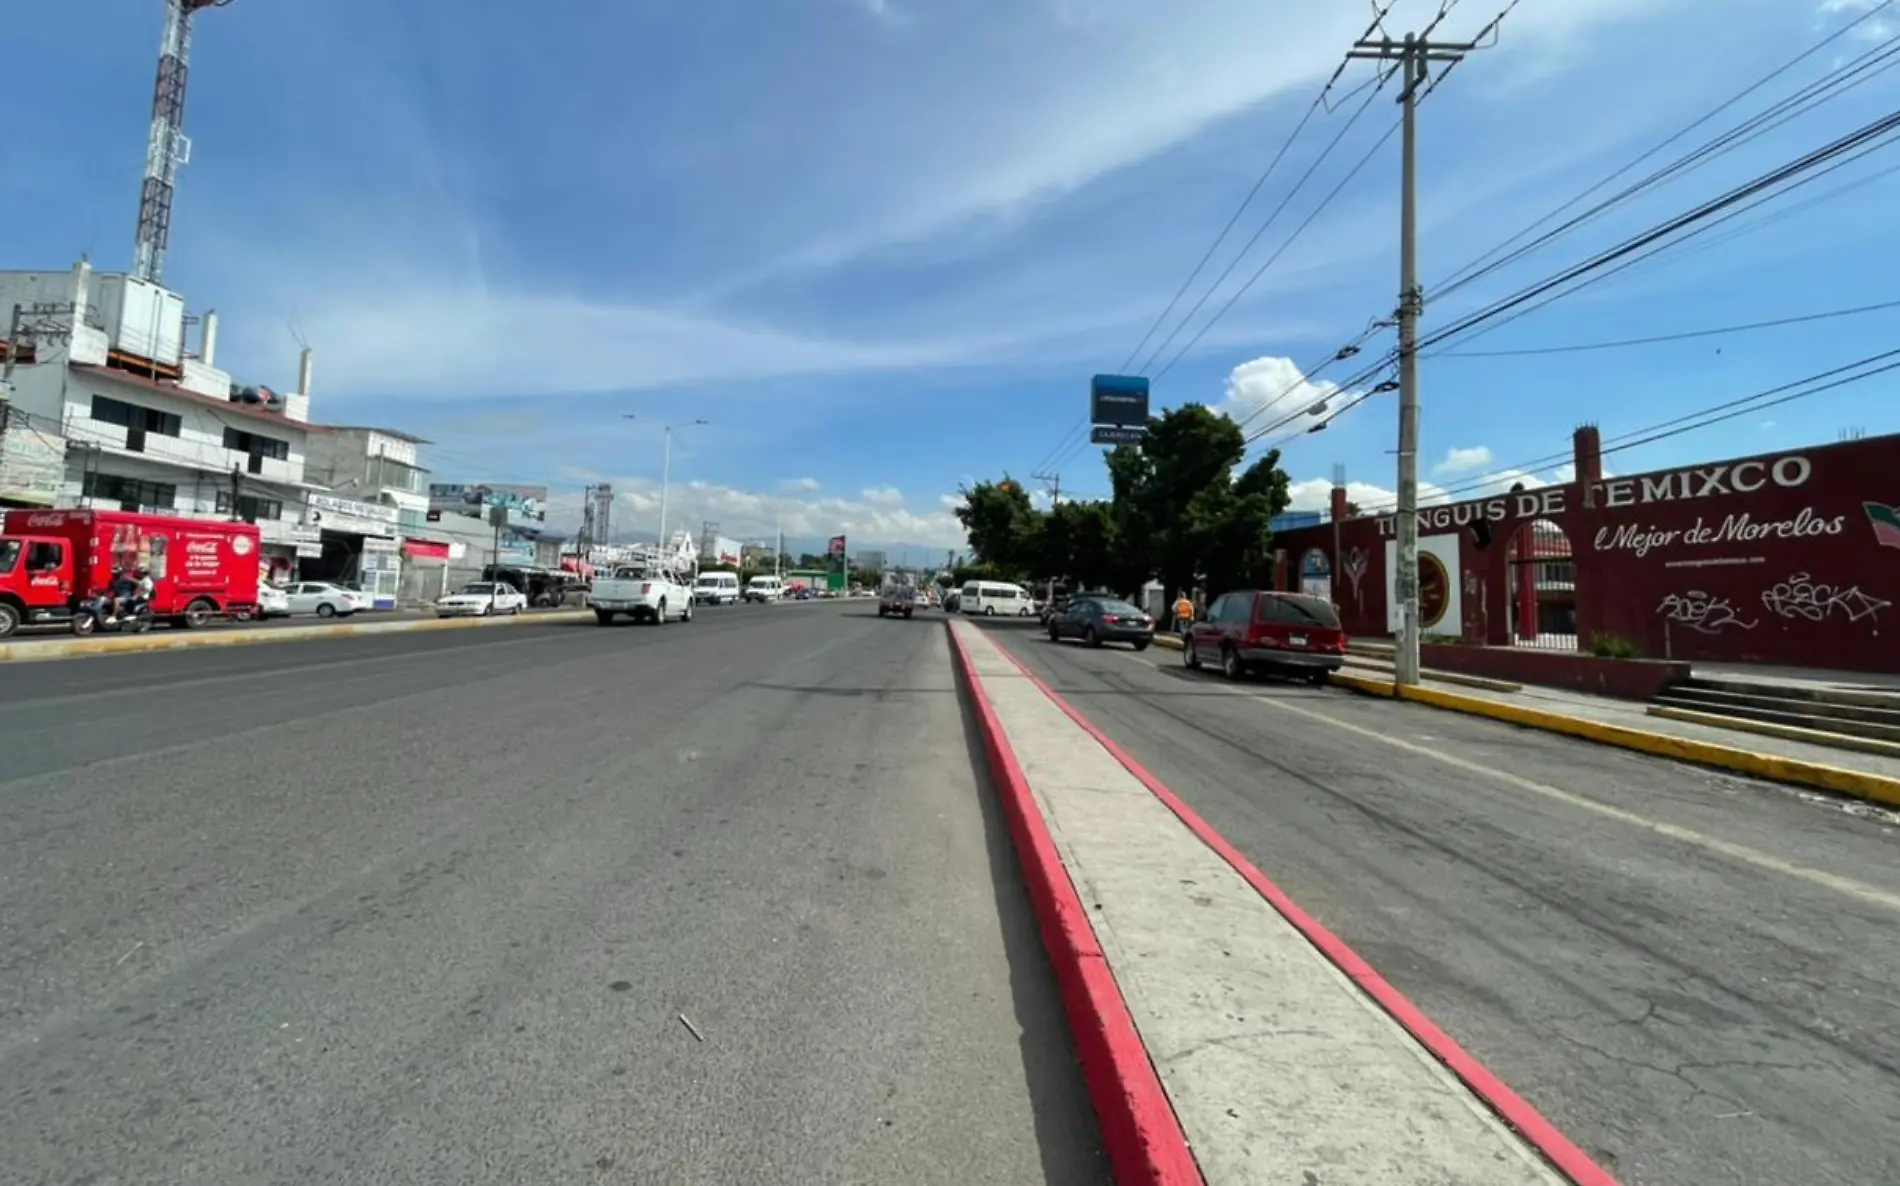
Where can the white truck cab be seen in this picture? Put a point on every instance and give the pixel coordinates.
(645, 593)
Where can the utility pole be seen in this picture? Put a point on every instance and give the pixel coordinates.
(1054, 482)
(1414, 56)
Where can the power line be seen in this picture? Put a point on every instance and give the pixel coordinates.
(1783, 393)
(1462, 275)
(1378, 16)
(1683, 336)
(1866, 138)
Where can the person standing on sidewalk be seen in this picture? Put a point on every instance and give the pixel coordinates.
(1183, 612)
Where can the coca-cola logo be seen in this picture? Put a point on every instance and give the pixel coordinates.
(33, 521)
(202, 547)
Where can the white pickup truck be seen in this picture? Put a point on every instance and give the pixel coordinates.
(643, 594)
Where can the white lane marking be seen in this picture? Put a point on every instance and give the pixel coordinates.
(1739, 852)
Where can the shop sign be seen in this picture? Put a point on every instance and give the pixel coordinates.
(329, 512)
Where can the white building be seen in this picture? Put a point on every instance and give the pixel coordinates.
(101, 372)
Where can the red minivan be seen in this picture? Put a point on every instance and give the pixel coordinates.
(1258, 630)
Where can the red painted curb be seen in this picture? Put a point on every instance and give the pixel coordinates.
(1145, 1144)
(1510, 1107)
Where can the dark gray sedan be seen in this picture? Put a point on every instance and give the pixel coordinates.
(1096, 620)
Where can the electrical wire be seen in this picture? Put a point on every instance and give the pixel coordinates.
(1684, 336)
(1319, 101)
(1463, 275)
(1675, 247)
(1776, 396)
(1869, 137)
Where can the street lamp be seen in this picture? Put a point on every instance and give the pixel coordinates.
(666, 471)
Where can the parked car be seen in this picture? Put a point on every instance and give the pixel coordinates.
(272, 602)
(326, 600)
(1097, 620)
(1256, 630)
(482, 599)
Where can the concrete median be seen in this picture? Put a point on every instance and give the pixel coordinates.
(178, 640)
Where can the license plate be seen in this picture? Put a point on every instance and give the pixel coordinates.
(1298, 640)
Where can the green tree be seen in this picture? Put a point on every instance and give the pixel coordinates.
(1001, 524)
(1179, 513)
(1352, 509)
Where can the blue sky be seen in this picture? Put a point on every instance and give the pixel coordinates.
(880, 245)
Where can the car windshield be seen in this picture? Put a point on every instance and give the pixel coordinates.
(9, 554)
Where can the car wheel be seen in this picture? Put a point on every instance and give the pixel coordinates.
(989, 611)
(1093, 639)
(603, 617)
(1054, 634)
(659, 613)
(1190, 658)
(1230, 663)
(326, 610)
(688, 615)
(1141, 646)
(9, 619)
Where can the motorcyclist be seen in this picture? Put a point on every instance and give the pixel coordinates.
(118, 593)
(141, 588)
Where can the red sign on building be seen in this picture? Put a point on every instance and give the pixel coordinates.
(1783, 558)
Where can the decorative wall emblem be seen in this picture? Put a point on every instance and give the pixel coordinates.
(1355, 564)
(1886, 523)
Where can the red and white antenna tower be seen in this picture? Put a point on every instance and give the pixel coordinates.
(168, 147)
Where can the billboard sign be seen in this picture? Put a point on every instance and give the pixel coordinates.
(1118, 401)
(1103, 434)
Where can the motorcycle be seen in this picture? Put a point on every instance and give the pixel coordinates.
(92, 619)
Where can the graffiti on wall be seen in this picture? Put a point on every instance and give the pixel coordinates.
(1800, 596)
(1703, 612)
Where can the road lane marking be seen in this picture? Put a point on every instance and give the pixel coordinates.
(1740, 852)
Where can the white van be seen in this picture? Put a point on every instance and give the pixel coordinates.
(716, 588)
(990, 598)
(764, 589)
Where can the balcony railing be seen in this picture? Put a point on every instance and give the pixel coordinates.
(179, 451)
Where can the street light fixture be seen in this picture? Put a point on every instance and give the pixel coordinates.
(666, 471)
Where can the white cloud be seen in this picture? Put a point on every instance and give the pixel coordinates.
(799, 484)
(880, 516)
(1876, 29)
(1271, 391)
(1463, 461)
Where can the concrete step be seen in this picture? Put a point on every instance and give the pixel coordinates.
(1785, 712)
(1860, 697)
(1786, 732)
(1767, 699)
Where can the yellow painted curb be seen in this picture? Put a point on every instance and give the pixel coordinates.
(1775, 768)
(181, 640)
(1170, 641)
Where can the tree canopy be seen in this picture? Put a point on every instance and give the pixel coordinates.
(1177, 512)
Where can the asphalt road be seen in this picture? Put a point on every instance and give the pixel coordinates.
(363, 618)
(708, 903)
(1696, 977)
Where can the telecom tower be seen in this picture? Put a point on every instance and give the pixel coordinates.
(603, 514)
(168, 146)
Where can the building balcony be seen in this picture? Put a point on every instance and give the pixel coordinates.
(181, 451)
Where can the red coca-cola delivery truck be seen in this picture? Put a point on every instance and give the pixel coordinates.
(51, 561)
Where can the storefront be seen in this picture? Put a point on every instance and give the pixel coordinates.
(358, 545)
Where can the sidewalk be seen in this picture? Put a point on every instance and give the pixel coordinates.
(1232, 1039)
(1629, 725)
